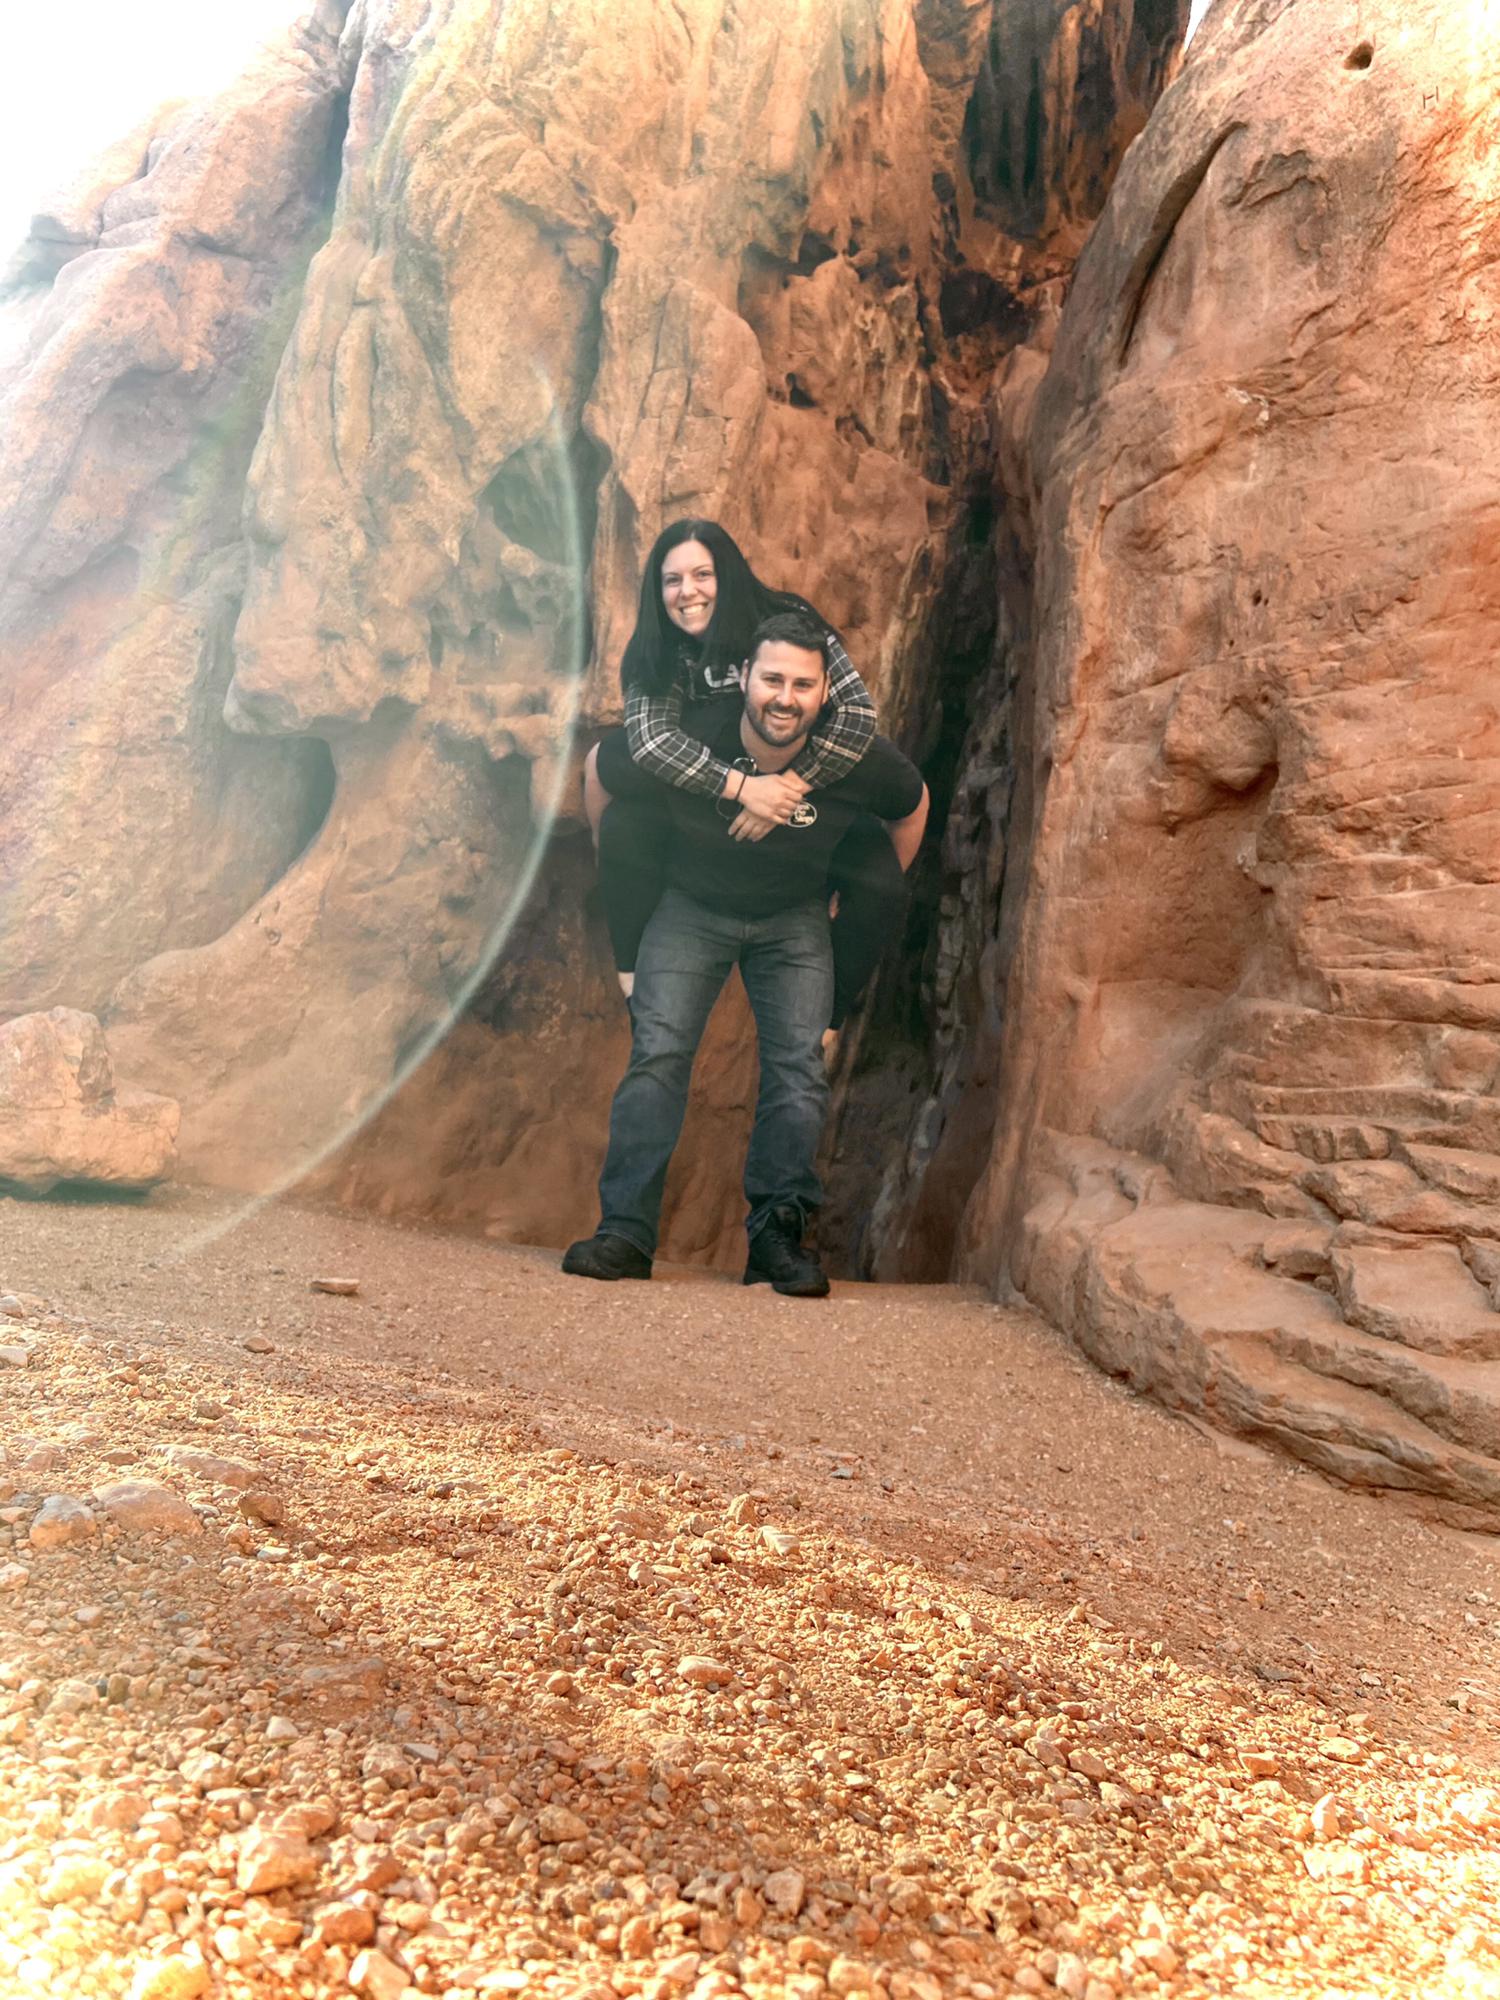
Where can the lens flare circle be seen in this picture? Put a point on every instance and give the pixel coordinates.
(548, 799)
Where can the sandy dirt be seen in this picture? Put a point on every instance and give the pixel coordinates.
(491, 1631)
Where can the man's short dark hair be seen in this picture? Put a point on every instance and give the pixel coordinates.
(790, 628)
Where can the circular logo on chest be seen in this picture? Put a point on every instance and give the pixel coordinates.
(803, 815)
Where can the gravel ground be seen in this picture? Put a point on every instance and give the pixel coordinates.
(493, 1632)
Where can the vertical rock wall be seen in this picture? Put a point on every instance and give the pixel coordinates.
(141, 327)
(1056, 100)
(1247, 1150)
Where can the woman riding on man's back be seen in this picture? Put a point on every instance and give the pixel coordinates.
(700, 603)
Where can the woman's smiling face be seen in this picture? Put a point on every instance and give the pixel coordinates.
(689, 587)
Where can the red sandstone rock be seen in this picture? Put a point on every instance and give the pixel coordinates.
(1242, 1133)
(1256, 943)
(137, 336)
(62, 1118)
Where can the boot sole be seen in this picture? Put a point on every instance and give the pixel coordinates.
(580, 1270)
(810, 1290)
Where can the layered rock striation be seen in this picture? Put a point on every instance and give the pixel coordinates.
(1247, 1148)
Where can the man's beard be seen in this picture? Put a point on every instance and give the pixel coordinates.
(753, 717)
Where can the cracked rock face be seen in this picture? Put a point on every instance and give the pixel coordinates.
(139, 334)
(1250, 1148)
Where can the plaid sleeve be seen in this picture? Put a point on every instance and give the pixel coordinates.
(660, 745)
(844, 733)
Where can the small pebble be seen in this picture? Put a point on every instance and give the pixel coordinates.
(144, 1508)
(557, 1823)
(700, 1671)
(62, 1522)
(181, 1977)
(378, 1977)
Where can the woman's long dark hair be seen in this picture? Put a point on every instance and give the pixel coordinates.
(657, 647)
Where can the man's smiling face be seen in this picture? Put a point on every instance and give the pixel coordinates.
(785, 689)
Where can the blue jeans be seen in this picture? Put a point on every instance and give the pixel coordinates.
(786, 962)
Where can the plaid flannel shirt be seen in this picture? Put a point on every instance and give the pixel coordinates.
(660, 745)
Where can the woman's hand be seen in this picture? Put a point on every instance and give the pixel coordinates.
(767, 799)
(772, 796)
(751, 826)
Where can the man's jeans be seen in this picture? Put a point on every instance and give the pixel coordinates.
(786, 962)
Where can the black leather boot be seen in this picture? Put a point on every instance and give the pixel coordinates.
(605, 1257)
(778, 1259)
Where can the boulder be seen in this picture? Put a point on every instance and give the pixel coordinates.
(62, 1118)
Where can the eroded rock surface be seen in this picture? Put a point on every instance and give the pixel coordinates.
(1249, 1140)
(62, 1116)
(140, 329)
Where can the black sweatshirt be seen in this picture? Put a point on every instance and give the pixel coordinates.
(755, 878)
